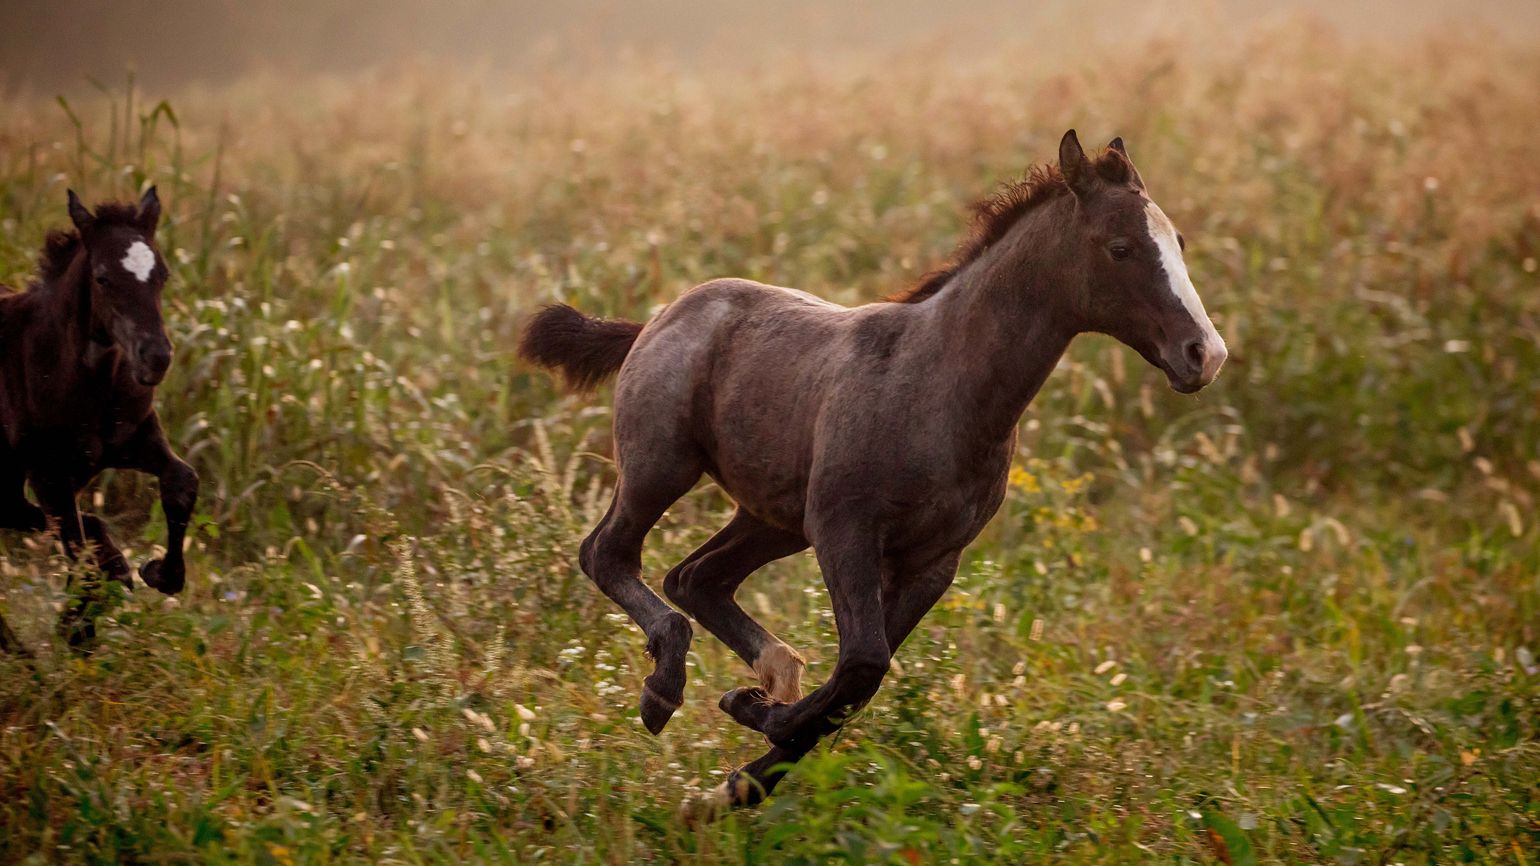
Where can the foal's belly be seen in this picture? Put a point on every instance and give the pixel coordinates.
(61, 454)
(763, 468)
(784, 508)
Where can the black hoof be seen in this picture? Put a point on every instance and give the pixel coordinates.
(656, 709)
(743, 790)
(120, 573)
(740, 791)
(156, 575)
(749, 706)
(663, 690)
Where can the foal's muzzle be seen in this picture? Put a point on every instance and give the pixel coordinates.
(1196, 364)
(152, 362)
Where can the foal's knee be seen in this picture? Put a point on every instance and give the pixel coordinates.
(179, 489)
(863, 675)
(604, 564)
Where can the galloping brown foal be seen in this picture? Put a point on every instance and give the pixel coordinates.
(81, 352)
(879, 435)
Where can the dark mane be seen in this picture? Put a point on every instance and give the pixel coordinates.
(994, 216)
(58, 251)
(60, 247)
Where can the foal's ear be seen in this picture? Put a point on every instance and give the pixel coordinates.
(1073, 164)
(148, 214)
(78, 214)
(1117, 145)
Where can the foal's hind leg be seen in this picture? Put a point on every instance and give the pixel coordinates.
(703, 586)
(108, 557)
(612, 556)
(17, 513)
(56, 494)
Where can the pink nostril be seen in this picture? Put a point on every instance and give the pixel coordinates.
(1194, 354)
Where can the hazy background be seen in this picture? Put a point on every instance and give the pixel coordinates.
(54, 46)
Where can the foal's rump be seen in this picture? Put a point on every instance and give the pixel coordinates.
(729, 379)
(728, 349)
(732, 374)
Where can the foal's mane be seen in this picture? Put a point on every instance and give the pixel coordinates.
(61, 245)
(993, 217)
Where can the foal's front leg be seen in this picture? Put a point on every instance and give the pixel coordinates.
(908, 591)
(852, 567)
(149, 452)
(16, 513)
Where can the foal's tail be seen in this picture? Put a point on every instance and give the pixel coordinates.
(587, 350)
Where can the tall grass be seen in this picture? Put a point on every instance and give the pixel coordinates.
(1291, 619)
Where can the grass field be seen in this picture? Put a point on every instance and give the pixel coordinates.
(1294, 618)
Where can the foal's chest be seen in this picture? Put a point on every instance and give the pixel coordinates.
(950, 509)
(84, 444)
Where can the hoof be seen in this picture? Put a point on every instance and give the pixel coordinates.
(743, 790)
(663, 690)
(740, 791)
(702, 809)
(749, 707)
(119, 572)
(656, 709)
(156, 575)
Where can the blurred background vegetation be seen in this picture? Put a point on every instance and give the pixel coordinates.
(1293, 618)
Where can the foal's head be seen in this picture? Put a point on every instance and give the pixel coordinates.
(1136, 284)
(126, 274)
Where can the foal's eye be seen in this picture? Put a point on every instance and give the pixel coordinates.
(101, 281)
(1120, 250)
(1181, 242)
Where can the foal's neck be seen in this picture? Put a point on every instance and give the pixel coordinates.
(67, 315)
(1007, 319)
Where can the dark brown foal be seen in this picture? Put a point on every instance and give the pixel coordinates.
(879, 435)
(85, 347)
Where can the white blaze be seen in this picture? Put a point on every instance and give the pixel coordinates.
(139, 260)
(1164, 235)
